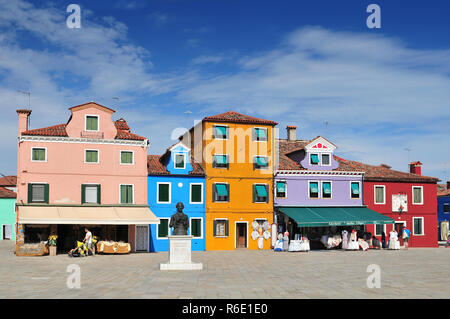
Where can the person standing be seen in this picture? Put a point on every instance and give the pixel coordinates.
(383, 240)
(88, 241)
(344, 239)
(405, 235)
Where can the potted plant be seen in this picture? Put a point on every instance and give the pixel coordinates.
(52, 244)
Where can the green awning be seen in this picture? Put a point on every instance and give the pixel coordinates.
(281, 187)
(221, 131)
(315, 158)
(261, 190)
(220, 159)
(334, 216)
(355, 188)
(261, 161)
(326, 187)
(222, 189)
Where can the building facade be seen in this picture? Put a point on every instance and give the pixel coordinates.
(236, 152)
(408, 198)
(7, 214)
(174, 177)
(314, 195)
(443, 203)
(91, 171)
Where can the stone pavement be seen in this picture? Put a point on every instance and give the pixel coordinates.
(415, 273)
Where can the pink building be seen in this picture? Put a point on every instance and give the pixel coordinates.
(91, 171)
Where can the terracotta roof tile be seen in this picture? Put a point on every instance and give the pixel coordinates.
(8, 180)
(383, 172)
(6, 193)
(235, 117)
(155, 166)
(123, 131)
(372, 173)
(55, 130)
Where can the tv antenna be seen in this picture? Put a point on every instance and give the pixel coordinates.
(117, 100)
(326, 128)
(408, 150)
(29, 96)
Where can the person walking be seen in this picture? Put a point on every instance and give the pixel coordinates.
(88, 241)
(405, 235)
(383, 240)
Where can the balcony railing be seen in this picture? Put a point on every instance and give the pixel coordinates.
(97, 135)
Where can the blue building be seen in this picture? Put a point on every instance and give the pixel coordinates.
(174, 177)
(443, 201)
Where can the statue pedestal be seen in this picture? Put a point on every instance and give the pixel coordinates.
(180, 255)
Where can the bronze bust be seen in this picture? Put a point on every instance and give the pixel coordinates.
(179, 221)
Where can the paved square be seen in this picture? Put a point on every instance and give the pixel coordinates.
(415, 273)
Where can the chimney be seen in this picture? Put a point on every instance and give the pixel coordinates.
(415, 168)
(291, 132)
(24, 116)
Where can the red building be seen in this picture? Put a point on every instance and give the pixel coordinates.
(408, 198)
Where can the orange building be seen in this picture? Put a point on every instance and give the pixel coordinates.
(236, 151)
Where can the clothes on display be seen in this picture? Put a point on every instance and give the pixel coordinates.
(344, 239)
(330, 241)
(444, 230)
(353, 243)
(301, 243)
(363, 244)
(286, 241)
(394, 243)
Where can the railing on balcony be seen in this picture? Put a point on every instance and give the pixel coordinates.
(85, 134)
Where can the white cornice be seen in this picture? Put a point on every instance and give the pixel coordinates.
(62, 139)
(310, 172)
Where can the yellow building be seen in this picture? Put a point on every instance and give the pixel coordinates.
(236, 152)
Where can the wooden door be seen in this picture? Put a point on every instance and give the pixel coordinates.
(141, 238)
(241, 235)
(399, 229)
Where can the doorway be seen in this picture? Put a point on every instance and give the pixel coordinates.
(399, 229)
(241, 234)
(141, 238)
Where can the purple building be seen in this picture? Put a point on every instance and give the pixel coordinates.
(313, 195)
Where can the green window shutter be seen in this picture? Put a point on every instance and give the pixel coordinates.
(99, 192)
(215, 228)
(38, 154)
(91, 156)
(196, 193)
(91, 123)
(46, 193)
(379, 195)
(126, 157)
(30, 193)
(163, 228)
(314, 159)
(226, 228)
(417, 195)
(126, 194)
(196, 227)
(163, 192)
(83, 194)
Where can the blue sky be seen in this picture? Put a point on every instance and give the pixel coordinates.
(296, 62)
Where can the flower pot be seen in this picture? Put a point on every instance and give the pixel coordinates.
(52, 250)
